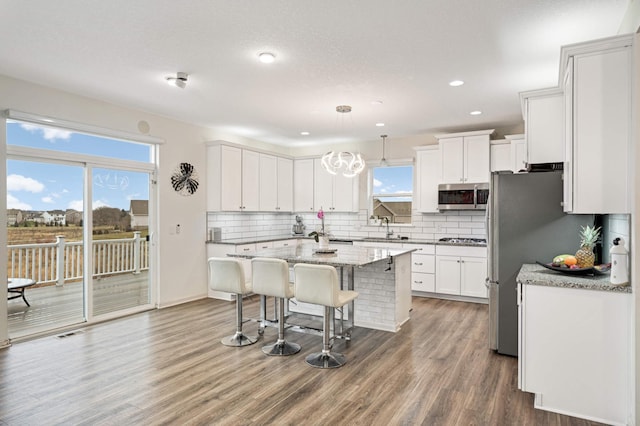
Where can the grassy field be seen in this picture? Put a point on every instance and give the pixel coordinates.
(47, 234)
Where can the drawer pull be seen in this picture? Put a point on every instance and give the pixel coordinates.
(417, 263)
(417, 282)
(246, 249)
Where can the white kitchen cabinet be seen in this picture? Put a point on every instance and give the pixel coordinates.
(508, 154)
(573, 351)
(244, 180)
(303, 185)
(465, 157)
(276, 184)
(501, 156)
(334, 193)
(285, 185)
(428, 175)
(598, 76)
(268, 182)
(423, 268)
(250, 181)
(543, 114)
(461, 271)
(518, 153)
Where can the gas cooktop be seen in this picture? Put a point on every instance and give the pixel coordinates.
(463, 240)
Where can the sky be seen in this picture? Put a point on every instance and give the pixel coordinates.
(43, 186)
(393, 179)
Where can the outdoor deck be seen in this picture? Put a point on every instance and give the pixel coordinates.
(58, 306)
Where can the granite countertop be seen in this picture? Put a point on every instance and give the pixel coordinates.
(532, 274)
(338, 240)
(345, 255)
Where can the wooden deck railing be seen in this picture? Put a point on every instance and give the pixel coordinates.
(61, 261)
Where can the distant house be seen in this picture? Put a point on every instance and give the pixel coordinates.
(139, 213)
(33, 216)
(54, 217)
(396, 211)
(14, 216)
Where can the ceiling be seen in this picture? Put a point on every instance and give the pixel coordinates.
(328, 53)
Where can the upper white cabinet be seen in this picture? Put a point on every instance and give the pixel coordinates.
(334, 192)
(508, 154)
(243, 180)
(543, 114)
(276, 184)
(303, 185)
(428, 175)
(465, 156)
(598, 87)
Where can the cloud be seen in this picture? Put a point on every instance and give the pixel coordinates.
(14, 203)
(100, 203)
(47, 200)
(48, 133)
(76, 205)
(21, 183)
(377, 183)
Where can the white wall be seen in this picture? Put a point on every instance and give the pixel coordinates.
(182, 263)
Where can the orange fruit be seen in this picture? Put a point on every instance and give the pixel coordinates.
(570, 260)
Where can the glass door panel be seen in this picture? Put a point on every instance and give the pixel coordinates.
(120, 250)
(45, 246)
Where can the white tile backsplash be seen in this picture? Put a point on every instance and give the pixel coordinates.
(615, 226)
(457, 224)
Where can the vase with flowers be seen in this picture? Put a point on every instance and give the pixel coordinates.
(321, 236)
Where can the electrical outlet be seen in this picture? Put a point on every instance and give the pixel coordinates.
(177, 228)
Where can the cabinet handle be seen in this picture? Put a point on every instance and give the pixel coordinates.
(285, 245)
(417, 263)
(246, 249)
(417, 282)
(458, 261)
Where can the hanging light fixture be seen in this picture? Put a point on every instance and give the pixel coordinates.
(383, 161)
(350, 164)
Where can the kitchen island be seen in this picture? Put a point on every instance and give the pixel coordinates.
(573, 347)
(381, 276)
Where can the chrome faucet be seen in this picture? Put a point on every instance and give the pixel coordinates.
(385, 219)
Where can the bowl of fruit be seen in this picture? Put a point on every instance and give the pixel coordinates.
(567, 264)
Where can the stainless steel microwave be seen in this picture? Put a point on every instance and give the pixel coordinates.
(463, 196)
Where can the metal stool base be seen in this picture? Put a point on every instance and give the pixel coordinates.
(239, 339)
(281, 348)
(326, 360)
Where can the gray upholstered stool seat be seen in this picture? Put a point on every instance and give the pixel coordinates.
(319, 284)
(226, 274)
(270, 277)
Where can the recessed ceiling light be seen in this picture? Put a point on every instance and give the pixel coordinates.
(475, 112)
(379, 124)
(266, 57)
(304, 133)
(456, 83)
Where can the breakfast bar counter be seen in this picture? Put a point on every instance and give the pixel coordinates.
(381, 276)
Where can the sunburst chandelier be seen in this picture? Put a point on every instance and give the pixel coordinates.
(350, 164)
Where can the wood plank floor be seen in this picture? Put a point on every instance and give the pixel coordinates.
(168, 367)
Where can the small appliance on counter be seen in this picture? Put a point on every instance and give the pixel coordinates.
(619, 263)
(298, 227)
(215, 234)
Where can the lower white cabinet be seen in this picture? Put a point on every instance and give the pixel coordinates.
(423, 268)
(461, 271)
(573, 351)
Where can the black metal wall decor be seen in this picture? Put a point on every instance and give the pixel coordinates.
(184, 179)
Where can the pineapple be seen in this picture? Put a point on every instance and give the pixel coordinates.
(588, 238)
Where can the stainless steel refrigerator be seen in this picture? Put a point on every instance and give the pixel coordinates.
(525, 224)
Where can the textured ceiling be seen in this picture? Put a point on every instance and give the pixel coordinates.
(329, 53)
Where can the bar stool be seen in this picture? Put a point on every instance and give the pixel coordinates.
(318, 284)
(226, 274)
(270, 277)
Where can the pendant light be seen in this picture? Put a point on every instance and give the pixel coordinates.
(350, 164)
(383, 161)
